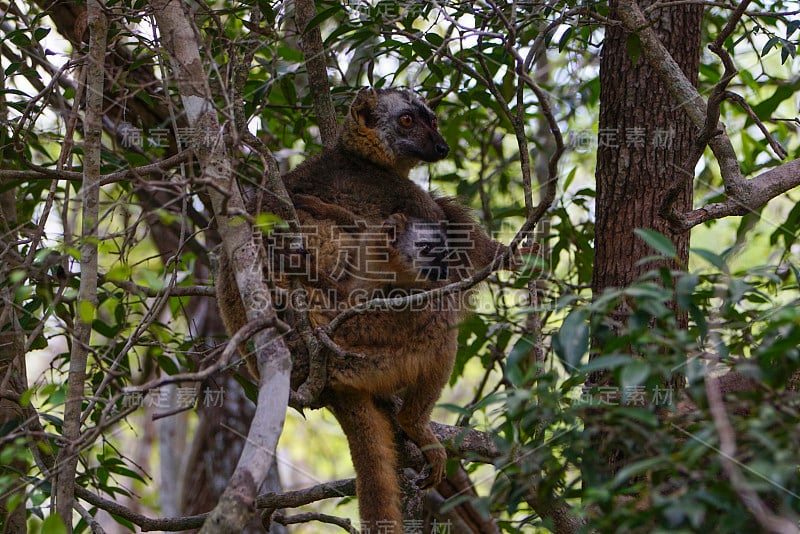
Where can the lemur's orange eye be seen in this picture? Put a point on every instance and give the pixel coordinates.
(434, 124)
(406, 120)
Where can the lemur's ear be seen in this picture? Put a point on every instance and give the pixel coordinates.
(362, 110)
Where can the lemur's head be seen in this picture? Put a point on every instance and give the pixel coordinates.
(393, 128)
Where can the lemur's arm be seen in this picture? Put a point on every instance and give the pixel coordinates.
(325, 210)
(480, 248)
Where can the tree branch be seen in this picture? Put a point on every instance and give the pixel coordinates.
(234, 509)
(147, 524)
(770, 184)
(727, 457)
(314, 52)
(87, 293)
(467, 443)
(470, 444)
(241, 336)
(175, 291)
(307, 517)
(273, 185)
(297, 498)
(743, 195)
(44, 173)
(557, 511)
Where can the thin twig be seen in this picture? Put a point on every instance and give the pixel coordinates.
(38, 172)
(147, 524)
(776, 146)
(241, 336)
(727, 457)
(307, 517)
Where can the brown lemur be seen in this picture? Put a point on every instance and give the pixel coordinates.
(408, 353)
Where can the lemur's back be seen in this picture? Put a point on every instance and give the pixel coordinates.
(362, 187)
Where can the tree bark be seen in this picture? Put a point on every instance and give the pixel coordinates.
(643, 139)
(87, 294)
(633, 177)
(13, 381)
(235, 507)
(12, 343)
(316, 65)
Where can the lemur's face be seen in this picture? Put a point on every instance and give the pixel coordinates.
(404, 125)
(410, 127)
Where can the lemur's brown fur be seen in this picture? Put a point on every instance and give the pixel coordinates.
(407, 353)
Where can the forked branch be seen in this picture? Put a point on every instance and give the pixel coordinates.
(743, 195)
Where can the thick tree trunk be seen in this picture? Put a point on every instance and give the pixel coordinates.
(643, 139)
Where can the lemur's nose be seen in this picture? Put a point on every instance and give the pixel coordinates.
(442, 149)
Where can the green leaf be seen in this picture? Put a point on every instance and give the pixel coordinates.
(19, 38)
(168, 365)
(53, 525)
(435, 39)
(787, 230)
(422, 49)
(573, 339)
(520, 355)
(124, 471)
(25, 398)
(120, 273)
(606, 362)
(634, 47)
(791, 27)
(657, 241)
(700, 319)
(684, 289)
(646, 290)
(644, 415)
(714, 259)
(14, 500)
(770, 45)
(40, 33)
(635, 469)
(323, 16)
(266, 222)
(12, 68)
(562, 43)
(86, 311)
(16, 276)
(570, 177)
(104, 329)
(796, 273)
(767, 107)
(250, 389)
(456, 409)
(635, 374)
(153, 280)
(788, 49)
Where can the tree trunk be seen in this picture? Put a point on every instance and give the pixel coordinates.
(12, 371)
(235, 508)
(69, 454)
(643, 138)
